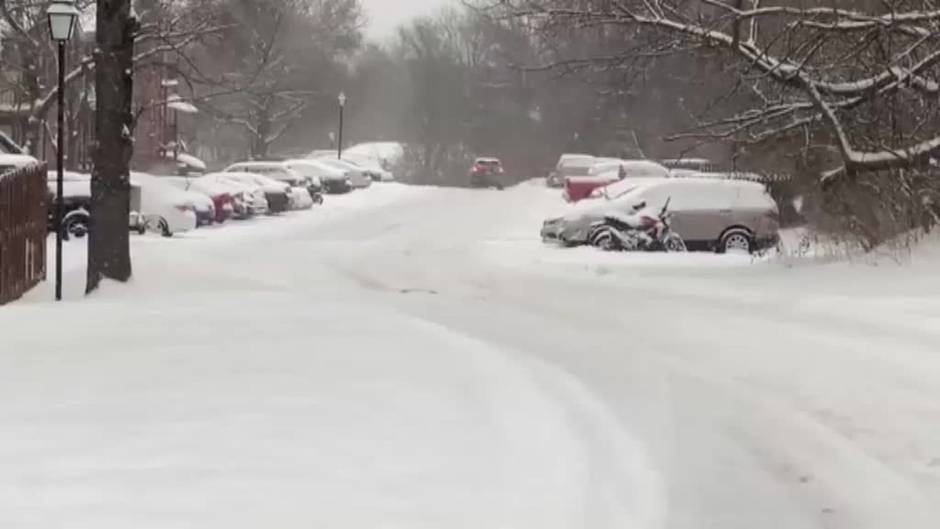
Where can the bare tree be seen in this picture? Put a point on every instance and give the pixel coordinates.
(805, 70)
(281, 47)
(179, 26)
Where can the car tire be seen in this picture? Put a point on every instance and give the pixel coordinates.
(75, 226)
(158, 225)
(737, 240)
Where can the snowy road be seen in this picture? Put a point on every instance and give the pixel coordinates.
(414, 357)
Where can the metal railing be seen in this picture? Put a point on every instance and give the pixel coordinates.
(23, 228)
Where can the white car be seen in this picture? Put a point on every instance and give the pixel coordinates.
(202, 200)
(331, 179)
(250, 199)
(356, 175)
(570, 165)
(372, 165)
(222, 195)
(298, 197)
(279, 171)
(165, 208)
(276, 192)
(387, 153)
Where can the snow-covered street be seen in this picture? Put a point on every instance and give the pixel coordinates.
(416, 357)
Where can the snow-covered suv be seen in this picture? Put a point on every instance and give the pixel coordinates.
(710, 214)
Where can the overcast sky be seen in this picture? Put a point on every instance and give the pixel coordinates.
(385, 15)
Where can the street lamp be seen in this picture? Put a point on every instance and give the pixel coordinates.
(62, 18)
(342, 106)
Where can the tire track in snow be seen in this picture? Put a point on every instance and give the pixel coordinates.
(618, 487)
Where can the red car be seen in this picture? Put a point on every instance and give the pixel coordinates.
(608, 171)
(487, 172)
(578, 188)
(224, 206)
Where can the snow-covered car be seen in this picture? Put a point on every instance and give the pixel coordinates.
(221, 194)
(280, 171)
(176, 164)
(690, 164)
(619, 169)
(388, 153)
(205, 208)
(203, 201)
(709, 214)
(355, 174)
(606, 172)
(570, 165)
(300, 198)
(165, 208)
(372, 166)
(76, 201)
(276, 192)
(76, 198)
(331, 179)
(248, 197)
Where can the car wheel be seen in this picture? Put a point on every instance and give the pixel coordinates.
(158, 225)
(75, 226)
(737, 240)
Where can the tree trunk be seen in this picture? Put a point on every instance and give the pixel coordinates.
(109, 244)
(260, 145)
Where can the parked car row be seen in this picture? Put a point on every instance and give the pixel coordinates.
(172, 204)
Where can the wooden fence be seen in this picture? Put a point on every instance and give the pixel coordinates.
(23, 230)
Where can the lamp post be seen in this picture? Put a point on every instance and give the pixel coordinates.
(62, 16)
(342, 106)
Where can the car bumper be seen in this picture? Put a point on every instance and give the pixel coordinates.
(180, 221)
(205, 217)
(552, 232)
(337, 186)
(277, 203)
(361, 182)
(301, 200)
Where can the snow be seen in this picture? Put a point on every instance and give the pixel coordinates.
(633, 169)
(415, 357)
(189, 161)
(17, 161)
(175, 102)
(386, 151)
(157, 195)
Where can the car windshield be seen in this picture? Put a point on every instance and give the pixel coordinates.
(424, 295)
